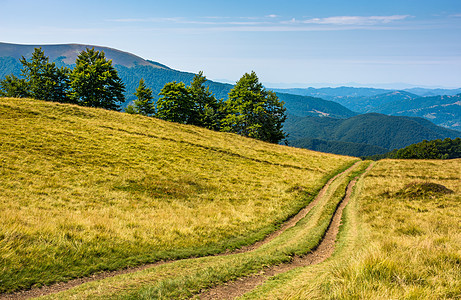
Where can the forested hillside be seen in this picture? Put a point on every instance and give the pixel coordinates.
(357, 136)
(440, 106)
(441, 110)
(386, 132)
(436, 149)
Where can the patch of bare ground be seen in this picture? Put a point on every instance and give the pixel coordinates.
(59, 287)
(234, 289)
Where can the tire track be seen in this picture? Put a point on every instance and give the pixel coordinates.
(63, 286)
(324, 250)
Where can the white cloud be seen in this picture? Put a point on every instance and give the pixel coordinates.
(270, 23)
(356, 20)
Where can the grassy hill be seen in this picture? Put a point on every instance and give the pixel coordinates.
(388, 132)
(84, 190)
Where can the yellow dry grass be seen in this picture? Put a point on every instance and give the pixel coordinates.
(395, 244)
(84, 190)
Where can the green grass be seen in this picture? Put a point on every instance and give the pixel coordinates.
(401, 240)
(84, 190)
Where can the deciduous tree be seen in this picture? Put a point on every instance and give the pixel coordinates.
(143, 104)
(95, 82)
(40, 80)
(253, 111)
(207, 109)
(175, 103)
(13, 86)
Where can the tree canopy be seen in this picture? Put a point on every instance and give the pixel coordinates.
(95, 81)
(13, 86)
(208, 110)
(40, 80)
(194, 104)
(175, 104)
(435, 149)
(143, 104)
(253, 111)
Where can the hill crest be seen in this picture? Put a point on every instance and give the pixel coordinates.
(67, 54)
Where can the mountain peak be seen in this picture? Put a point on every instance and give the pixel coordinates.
(67, 53)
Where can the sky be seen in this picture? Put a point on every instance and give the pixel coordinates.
(287, 43)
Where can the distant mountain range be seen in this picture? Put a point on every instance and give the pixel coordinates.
(312, 112)
(440, 106)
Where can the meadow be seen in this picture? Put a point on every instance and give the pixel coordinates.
(401, 239)
(87, 190)
(188, 278)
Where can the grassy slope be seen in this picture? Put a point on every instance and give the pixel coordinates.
(186, 278)
(393, 245)
(84, 190)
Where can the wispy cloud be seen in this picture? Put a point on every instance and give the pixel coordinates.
(199, 21)
(272, 22)
(356, 20)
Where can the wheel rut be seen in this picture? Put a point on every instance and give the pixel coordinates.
(324, 250)
(63, 286)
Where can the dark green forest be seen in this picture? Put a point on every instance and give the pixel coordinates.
(435, 149)
(337, 147)
(380, 132)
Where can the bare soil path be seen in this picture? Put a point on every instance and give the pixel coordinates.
(62, 286)
(325, 249)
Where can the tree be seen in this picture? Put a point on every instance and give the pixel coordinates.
(95, 82)
(13, 86)
(253, 111)
(175, 104)
(143, 104)
(41, 80)
(208, 110)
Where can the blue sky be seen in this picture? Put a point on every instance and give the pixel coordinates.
(307, 42)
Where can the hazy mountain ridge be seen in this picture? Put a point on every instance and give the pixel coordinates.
(442, 109)
(67, 54)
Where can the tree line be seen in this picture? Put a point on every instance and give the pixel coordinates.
(435, 149)
(250, 109)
